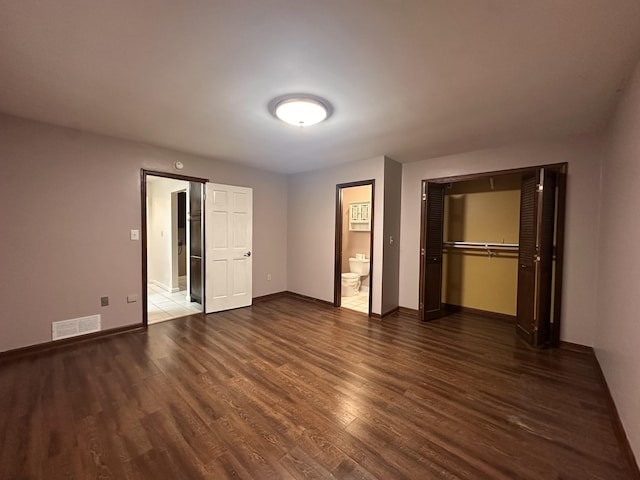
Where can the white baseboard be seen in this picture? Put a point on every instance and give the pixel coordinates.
(166, 288)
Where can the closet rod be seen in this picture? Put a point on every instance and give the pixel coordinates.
(483, 246)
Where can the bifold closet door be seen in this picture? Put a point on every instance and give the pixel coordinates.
(535, 258)
(431, 255)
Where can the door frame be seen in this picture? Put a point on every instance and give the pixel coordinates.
(561, 171)
(337, 279)
(143, 229)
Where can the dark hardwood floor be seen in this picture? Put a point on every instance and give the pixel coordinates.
(289, 389)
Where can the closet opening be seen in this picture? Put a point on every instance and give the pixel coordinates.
(492, 244)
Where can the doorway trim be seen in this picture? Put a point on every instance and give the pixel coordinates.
(561, 170)
(337, 279)
(143, 229)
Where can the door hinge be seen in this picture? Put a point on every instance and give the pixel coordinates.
(424, 196)
(421, 305)
(540, 187)
(422, 251)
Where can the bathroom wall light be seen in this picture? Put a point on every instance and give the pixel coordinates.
(300, 110)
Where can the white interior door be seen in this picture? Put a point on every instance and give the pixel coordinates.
(228, 243)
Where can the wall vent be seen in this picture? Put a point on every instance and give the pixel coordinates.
(75, 327)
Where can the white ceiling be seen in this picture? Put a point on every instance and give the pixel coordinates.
(409, 79)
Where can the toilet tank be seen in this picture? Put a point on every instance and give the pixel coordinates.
(359, 266)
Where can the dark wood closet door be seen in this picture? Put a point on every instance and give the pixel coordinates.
(433, 208)
(195, 242)
(535, 258)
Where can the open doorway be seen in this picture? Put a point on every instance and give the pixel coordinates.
(171, 237)
(354, 246)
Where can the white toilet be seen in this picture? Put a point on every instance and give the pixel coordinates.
(350, 284)
(360, 268)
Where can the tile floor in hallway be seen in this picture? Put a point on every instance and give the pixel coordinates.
(359, 302)
(163, 305)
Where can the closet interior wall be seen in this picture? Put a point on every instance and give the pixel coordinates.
(485, 210)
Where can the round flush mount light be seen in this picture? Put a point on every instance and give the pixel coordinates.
(300, 110)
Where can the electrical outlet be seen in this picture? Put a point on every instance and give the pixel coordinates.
(268, 277)
(104, 301)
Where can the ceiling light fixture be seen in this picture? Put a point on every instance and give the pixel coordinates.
(300, 110)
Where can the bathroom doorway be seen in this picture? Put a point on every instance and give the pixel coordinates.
(354, 245)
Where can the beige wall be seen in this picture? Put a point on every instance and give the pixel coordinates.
(391, 234)
(472, 278)
(354, 241)
(617, 337)
(162, 237)
(311, 222)
(71, 199)
(583, 154)
(312, 228)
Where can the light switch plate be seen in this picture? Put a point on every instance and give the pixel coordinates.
(135, 234)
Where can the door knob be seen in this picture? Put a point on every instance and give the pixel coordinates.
(248, 254)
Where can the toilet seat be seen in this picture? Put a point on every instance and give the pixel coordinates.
(350, 276)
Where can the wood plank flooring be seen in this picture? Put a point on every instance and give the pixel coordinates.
(288, 389)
